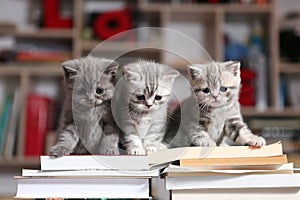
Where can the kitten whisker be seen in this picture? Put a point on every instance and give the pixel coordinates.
(171, 115)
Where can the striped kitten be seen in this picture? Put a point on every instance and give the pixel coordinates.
(214, 113)
(142, 106)
(88, 126)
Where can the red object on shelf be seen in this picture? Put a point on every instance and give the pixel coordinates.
(247, 93)
(247, 96)
(111, 23)
(52, 18)
(37, 116)
(43, 56)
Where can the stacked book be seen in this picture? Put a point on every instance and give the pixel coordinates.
(234, 173)
(179, 173)
(88, 176)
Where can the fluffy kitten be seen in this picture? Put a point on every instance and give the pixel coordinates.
(213, 114)
(142, 106)
(88, 125)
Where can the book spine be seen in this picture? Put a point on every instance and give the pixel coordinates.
(37, 113)
(4, 121)
(13, 125)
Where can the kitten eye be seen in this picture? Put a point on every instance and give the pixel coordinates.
(157, 97)
(206, 90)
(140, 97)
(197, 90)
(223, 89)
(99, 91)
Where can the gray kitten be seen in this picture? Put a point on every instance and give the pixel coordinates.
(142, 106)
(88, 126)
(213, 114)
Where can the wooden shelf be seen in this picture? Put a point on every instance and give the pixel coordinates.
(119, 46)
(289, 68)
(48, 69)
(270, 112)
(20, 162)
(248, 8)
(41, 33)
(9, 71)
(206, 8)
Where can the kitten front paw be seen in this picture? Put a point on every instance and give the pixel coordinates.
(109, 151)
(59, 151)
(155, 147)
(136, 151)
(203, 142)
(151, 149)
(161, 146)
(256, 141)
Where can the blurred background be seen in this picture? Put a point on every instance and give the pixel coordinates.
(37, 35)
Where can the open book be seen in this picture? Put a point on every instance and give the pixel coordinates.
(270, 160)
(179, 171)
(156, 159)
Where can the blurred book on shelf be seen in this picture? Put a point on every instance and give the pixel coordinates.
(12, 125)
(9, 117)
(285, 130)
(248, 91)
(290, 137)
(38, 115)
(7, 46)
(4, 120)
(32, 51)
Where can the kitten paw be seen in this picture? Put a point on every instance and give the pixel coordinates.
(203, 142)
(136, 151)
(161, 146)
(109, 151)
(256, 141)
(155, 147)
(151, 149)
(58, 151)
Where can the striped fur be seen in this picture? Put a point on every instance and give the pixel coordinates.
(216, 90)
(142, 106)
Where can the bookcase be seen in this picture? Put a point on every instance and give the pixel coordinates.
(213, 18)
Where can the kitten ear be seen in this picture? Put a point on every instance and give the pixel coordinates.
(130, 74)
(71, 68)
(112, 68)
(233, 67)
(194, 72)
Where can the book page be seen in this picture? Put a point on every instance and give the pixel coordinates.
(169, 155)
(174, 170)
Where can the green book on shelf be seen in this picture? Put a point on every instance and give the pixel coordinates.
(4, 121)
(12, 125)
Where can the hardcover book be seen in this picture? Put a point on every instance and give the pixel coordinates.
(157, 159)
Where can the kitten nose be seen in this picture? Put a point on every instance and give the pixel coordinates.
(149, 104)
(215, 96)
